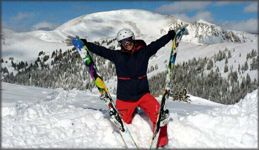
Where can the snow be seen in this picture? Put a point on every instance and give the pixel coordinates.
(201, 41)
(233, 126)
(35, 117)
(105, 25)
(204, 22)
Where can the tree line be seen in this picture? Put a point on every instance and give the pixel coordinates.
(198, 76)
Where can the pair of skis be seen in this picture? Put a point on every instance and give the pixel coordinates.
(163, 115)
(115, 117)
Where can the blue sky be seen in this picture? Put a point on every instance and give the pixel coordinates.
(32, 15)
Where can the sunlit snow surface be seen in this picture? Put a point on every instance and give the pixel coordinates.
(54, 118)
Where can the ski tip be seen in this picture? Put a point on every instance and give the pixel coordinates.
(185, 25)
(70, 36)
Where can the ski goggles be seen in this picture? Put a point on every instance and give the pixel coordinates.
(126, 42)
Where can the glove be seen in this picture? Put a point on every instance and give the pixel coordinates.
(171, 33)
(68, 40)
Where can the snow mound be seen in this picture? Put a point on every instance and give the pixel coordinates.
(232, 126)
(54, 118)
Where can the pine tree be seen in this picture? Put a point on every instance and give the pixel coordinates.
(210, 64)
(254, 64)
(226, 68)
(245, 67)
(248, 79)
(229, 54)
(226, 60)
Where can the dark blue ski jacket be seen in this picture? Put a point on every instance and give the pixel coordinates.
(131, 67)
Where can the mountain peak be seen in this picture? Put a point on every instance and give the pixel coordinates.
(146, 25)
(201, 21)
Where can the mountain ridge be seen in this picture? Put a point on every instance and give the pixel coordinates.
(104, 25)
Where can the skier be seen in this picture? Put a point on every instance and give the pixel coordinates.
(131, 64)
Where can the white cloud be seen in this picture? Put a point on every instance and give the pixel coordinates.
(204, 15)
(19, 21)
(21, 16)
(180, 10)
(223, 3)
(184, 17)
(251, 8)
(44, 26)
(182, 7)
(250, 25)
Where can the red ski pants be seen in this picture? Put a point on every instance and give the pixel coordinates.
(150, 106)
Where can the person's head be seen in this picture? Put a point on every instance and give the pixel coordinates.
(126, 39)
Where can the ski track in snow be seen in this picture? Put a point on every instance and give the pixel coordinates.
(54, 118)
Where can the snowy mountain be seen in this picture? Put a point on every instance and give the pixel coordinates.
(205, 39)
(104, 25)
(40, 58)
(55, 118)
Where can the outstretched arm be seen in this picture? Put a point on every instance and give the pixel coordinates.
(154, 46)
(100, 50)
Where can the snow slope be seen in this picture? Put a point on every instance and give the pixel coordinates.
(47, 118)
(105, 25)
